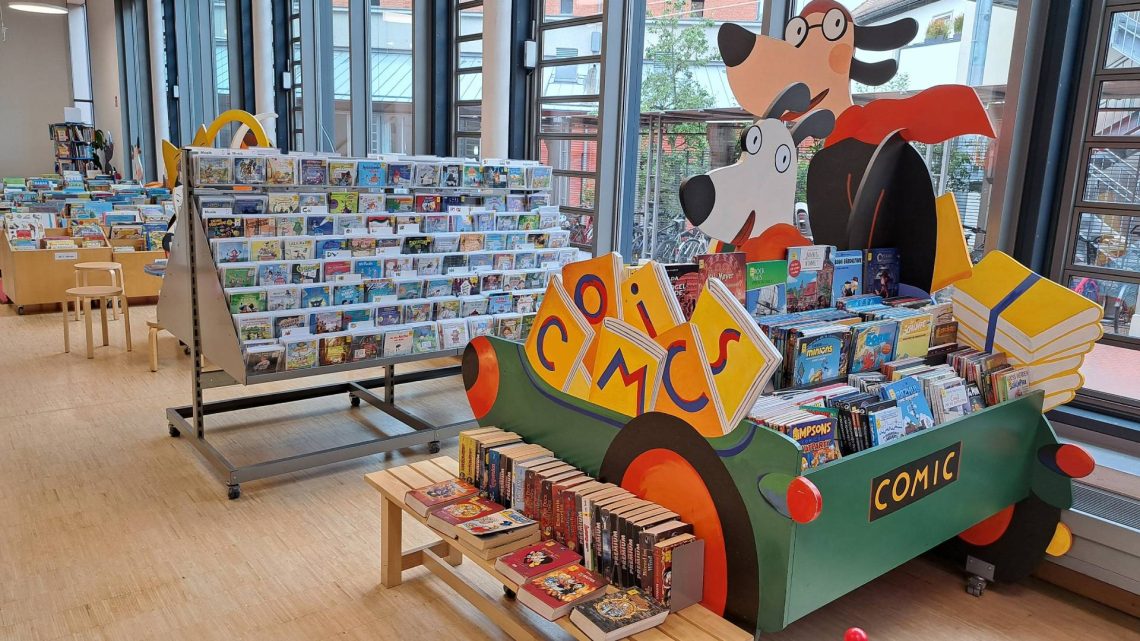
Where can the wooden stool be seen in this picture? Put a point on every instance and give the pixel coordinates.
(152, 341)
(84, 296)
(114, 269)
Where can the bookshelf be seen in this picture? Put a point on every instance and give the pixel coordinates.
(72, 145)
(232, 325)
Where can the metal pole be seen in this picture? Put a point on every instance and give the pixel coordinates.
(657, 178)
(493, 142)
(645, 195)
(261, 12)
(158, 81)
(980, 41)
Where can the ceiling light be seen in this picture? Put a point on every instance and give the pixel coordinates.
(38, 7)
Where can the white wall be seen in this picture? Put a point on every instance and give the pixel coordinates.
(103, 42)
(35, 87)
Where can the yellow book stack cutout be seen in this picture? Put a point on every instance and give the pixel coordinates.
(559, 338)
(951, 254)
(627, 369)
(687, 390)
(647, 300)
(742, 359)
(594, 287)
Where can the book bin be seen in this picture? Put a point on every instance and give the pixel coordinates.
(781, 543)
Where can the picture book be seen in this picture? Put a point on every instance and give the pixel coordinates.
(425, 338)
(225, 227)
(426, 174)
(479, 261)
(254, 328)
(516, 177)
(491, 524)
(538, 177)
(766, 285)
(409, 289)
(741, 358)
(810, 277)
(914, 336)
(686, 284)
(848, 278)
(362, 246)
(329, 247)
(399, 174)
(472, 175)
(453, 333)
(273, 274)
(315, 296)
(618, 614)
(249, 170)
(388, 315)
(370, 173)
(465, 285)
(506, 222)
(447, 309)
(214, 170)
(283, 298)
(481, 326)
(729, 268)
(554, 594)
(326, 322)
(314, 171)
(291, 325)
(872, 344)
(369, 203)
(368, 268)
(348, 294)
(245, 302)
(331, 269)
(396, 267)
(300, 354)
(417, 244)
(819, 355)
(914, 407)
(535, 559)
(281, 170)
(343, 202)
(428, 265)
(320, 225)
(365, 345)
(647, 300)
(471, 242)
(424, 499)
(417, 311)
(881, 272)
(239, 277)
(333, 350)
(450, 175)
(342, 173)
(315, 202)
(356, 316)
(398, 342)
(687, 388)
(472, 305)
(264, 359)
(627, 369)
(594, 286)
(290, 225)
(305, 273)
(436, 287)
(447, 517)
(509, 326)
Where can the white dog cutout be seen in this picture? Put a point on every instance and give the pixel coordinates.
(739, 202)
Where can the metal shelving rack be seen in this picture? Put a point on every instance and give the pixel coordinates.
(192, 306)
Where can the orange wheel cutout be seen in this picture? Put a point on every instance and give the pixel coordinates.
(665, 478)
(481, 375)
(989, 530)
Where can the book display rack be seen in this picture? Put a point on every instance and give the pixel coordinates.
(280, 275)
(72, 143)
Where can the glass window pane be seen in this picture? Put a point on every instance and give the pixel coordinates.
(390, 67)
(570, 80)
(1109, 369)
(581, 228)
(1117, 297)
(574, 155)
(1124, 41)
(563, 9)
(470, 86)
(470, 21)
(470, 118)
(341, 85)
(1108, 241)
(568, 117)
(1118, 109)
(467, 147)
(566, 42)
(471, 54)
(1113, 175)
(574, 191)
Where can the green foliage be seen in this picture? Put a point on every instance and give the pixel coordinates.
(899, 84)
(938, 29)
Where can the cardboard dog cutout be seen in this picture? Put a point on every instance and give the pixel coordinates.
(752, 200)
(818, 49)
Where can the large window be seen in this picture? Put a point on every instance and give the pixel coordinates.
(1097, 250)
(467, 117)
(567, 99)
(391, 76)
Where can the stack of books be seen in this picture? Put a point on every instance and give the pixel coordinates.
(454, 508)
(1040, 325)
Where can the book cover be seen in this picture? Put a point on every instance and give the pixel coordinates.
(264, 359)
(316, 296)
(729, 268)
(314, 171)
(398, 342)
(249, 170)
(872, 344)
(425, 338)
(319, 225)
(627, 370)
(594, 286)
(686, 283)
(502, 521)
(618, 614)
(810, 277)
(342, 173)
(820, 356)
(848, 279)
(914, 336)
(371, 173)
(365, 345)
(281, 170)
(343, 202)
(305, 273)
(553, 594)
(283, 298)
(426, 174)
(881, 272)
(239, 277)
(468, 509)
(334, 350)
(766, 283)
(254, 328)
(533, 560)
(914, 408)
(247, 302)
(561, 339)
(300, 354)
(297, 248)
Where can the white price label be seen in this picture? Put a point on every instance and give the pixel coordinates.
(408, 228)
(66, 255)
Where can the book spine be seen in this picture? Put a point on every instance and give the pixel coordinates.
(546, 513)
(570, 520)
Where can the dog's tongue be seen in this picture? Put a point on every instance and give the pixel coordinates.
(745, 232)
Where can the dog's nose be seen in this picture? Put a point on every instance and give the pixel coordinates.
(735, 43)
(698, 194)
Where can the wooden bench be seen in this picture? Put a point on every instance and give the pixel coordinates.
(694, 623)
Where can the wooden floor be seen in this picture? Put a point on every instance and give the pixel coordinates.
(109, 529)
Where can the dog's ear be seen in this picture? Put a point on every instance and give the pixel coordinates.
(885, 37)
(873, 73)
(795, 97)
(818, 123)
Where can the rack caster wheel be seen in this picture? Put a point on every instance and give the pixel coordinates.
(233, 492)
(976, 586)
(20, 310)
(354, 400)
(509, 593)
(433, 447)
(174, 433)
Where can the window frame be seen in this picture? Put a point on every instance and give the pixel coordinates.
(458, 6)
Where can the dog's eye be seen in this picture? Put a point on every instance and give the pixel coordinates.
(751, 141)
(783, 158)
(796, 31)
(834, 24)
